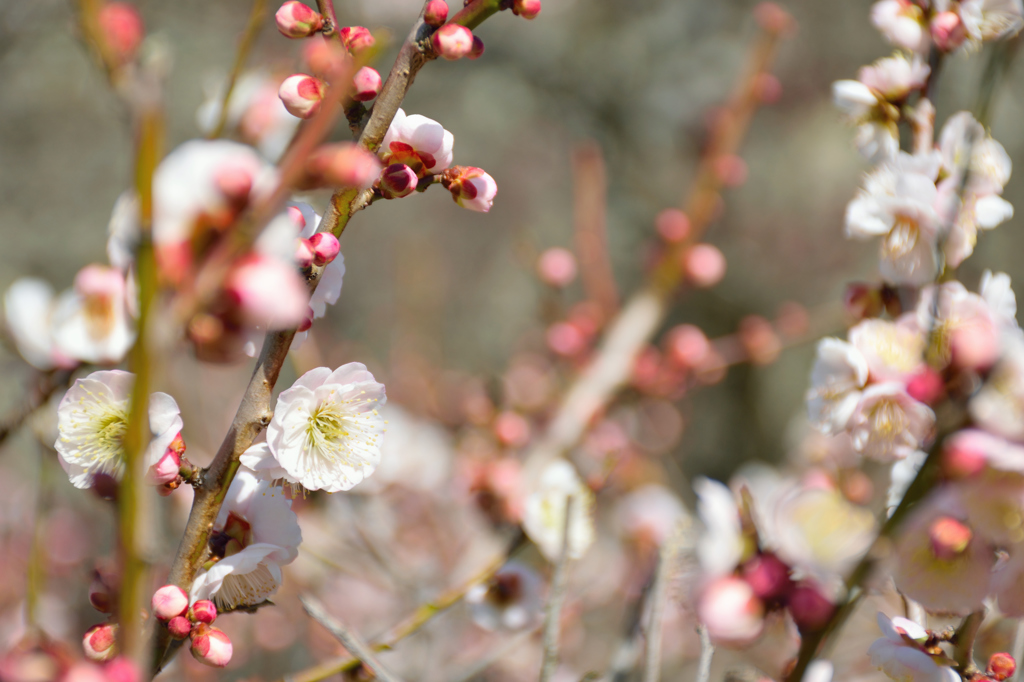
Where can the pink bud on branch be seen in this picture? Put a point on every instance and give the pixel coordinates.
(1001, 666)
(397, 181)
(471, 187)
(365, 84)
(452, 41)
(122, 29)
(211, 646)
(325, 248)
(296, 20)
(527, 9)
(357, 39)
(203, 611)
(436, 13)
(301, 95)
(179, 627)
(556, 267)
(169, 601)
(100, 642)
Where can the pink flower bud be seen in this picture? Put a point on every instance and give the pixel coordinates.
(122, 669)
(730, 169)
(122, 29)
(948, 31)
(324, 58)
(768, 576)
(809, 608)
(557, 267)
(927, 386)
(436, 13)
(1001, 666)
(963, 456)
(179, 627)
(477, 50)
(397, 181)
(686, 346)
(527, 9)
(268, 292)
(949, 537)
(471, 187)
(673, 225)
(343, 164)
(211, 646)
(296, 20)
(731, 611)
(203, 611)
(307, 323)
(296, 217)
(452, 41)
(512, 429)
(357, 39)
(166, 470)
(365, 84)
(301, 95)
(703, 265)
(303, 253)
(169, 601)
(325, 247)
(100, 642)
(566, 339)
(767, 88)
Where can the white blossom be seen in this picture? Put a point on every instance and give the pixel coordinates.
(721, 546)
(419, 142)
(902, 23)
(888, 424)
(902, 660)
(544, 517)
(28, 307)
(840, 372)
(991, 19)
(893, 350)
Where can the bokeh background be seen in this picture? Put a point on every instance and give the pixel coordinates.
(437, 297)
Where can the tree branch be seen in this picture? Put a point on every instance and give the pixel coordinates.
(553, 609)
(348, 638)
(252, 29)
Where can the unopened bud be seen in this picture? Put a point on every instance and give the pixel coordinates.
(477, 50)
(948, 31)
(301, 95)
(343, 164)
(703, 265)
(768, 576)
(122, 669)
(169, 602)
(397, 181)
(471, 187)
(809, 608)
(306, 323)
(927, 386)
(686, 346)
(296, 20)
(512, 429)
(949, 537)
(211, 646)
(165, 470)
(122, 29)
(527, 9)
(203, 611)
(365, 84)
(1001, 666)
(325, 247)
(730, 170)
(557, 267)
(303, 253)
(435, 13)
(179, 627)
(100, 642)
(566, 339)
(673, 225)
(357, 39)
(452, 41)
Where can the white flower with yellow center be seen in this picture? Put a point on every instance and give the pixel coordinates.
(888, 424)
(327, 429)
(840, 372)
(894, 350)
(256, 533)
(92, 419)
(544, 515)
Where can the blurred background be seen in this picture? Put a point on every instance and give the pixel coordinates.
(444, 305)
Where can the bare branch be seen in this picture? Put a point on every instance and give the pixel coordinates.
(707, 652)
(553, 609)
(659, 596)
(348, 638)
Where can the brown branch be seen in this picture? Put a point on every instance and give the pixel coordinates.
(590, 201)
(38, 394)
(963, 640)
(348, 638)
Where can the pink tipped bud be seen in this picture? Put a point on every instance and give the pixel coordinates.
(767, 88)
(527, 9)
(703, 265)
(307, 323)
(296, 20)
(730, 170)
(673, 226)
(301, 95)
(452, 41)
(343, 164)
(357, 39)
(478, 49)
(211, 646)
(100, 642)
(768, 576)
(1001, 666)
(566, 339)
(179, 627)
(512, 429)
(122, 29)
(365, 84)
(471, 187)
(169, 601)
(303, 253)
(397, 181)
(436, 13)
(927, 386)
(949, 537)
(203, 611)
(325, 247)
(122, 669)
(165, 470)
(557, 267)
(963, 456)
(686, 346)
(948, 31)
(809, 608)
(324, 58)
(295, 213)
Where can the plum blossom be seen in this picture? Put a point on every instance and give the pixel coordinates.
(997, 292)
(28, 307)
(999, 405)
(887, 424)
(91, 321)
(92, 419)
(471, 187)
(544, 518)
(840, 372)
(894, 351)
(722, 545)
(327, 428)
(255, 534)
(900, 654)
(902, 22)
(965, 329)
(991, 19)
(329, 289)
(418, 142)
(511, 600)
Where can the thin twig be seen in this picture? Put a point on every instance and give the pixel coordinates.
(657, 598)
(963, 651)
(1018, 649)
(707, 652)
(37, 395)
(553, 608)
(590, 225)
(348, 638)
(472, 671)
(252, 29)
